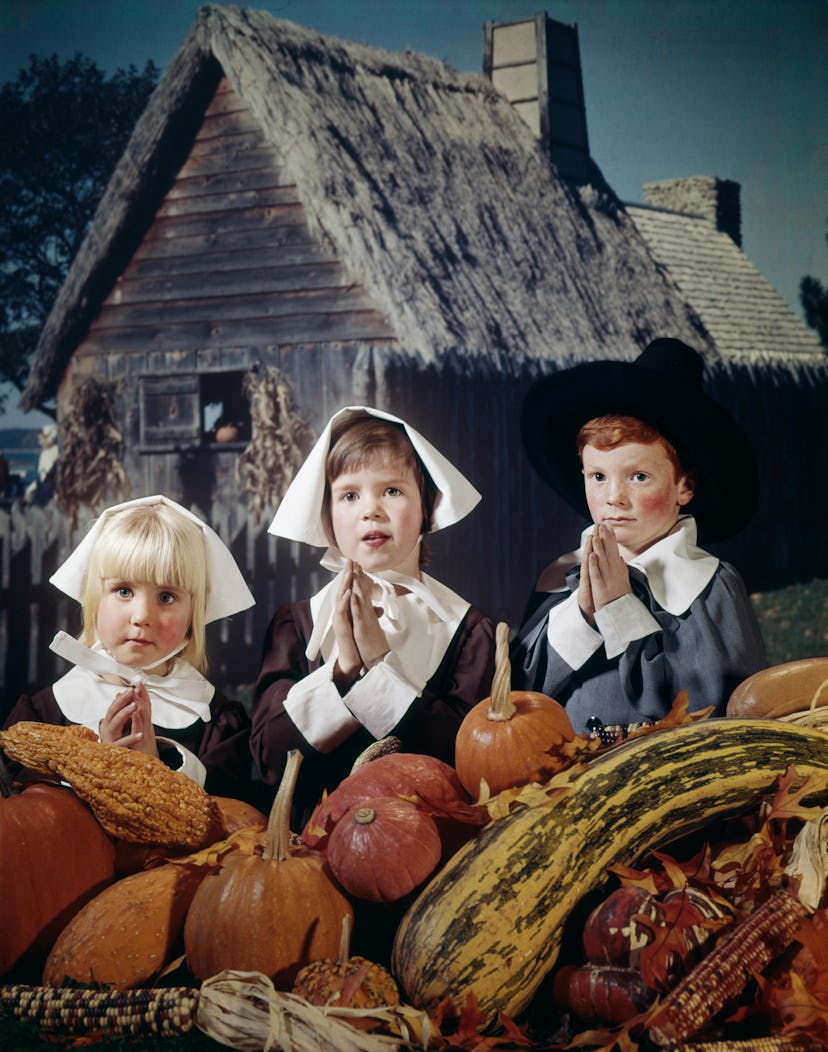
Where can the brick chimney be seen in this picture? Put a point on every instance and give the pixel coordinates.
(536, 64)
(716, 199)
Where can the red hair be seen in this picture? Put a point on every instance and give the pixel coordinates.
(607, 432)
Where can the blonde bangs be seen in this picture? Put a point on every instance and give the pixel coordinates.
(156, 545)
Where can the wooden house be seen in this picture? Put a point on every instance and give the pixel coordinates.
(350, 226)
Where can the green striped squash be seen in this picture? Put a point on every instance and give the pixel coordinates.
(492, 920)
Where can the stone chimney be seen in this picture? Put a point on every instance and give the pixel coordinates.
(536, 64)
(702, 195)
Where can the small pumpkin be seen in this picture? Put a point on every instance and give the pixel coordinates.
(606, 993)
(347, 982)
(127, 933)
(383, 848)
(513, 737)
(612, 934)
(395, 774)
(273, 911)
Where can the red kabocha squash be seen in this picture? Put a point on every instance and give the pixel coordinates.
(270, 912)
(383, 848)
(54, 857)
(397, 774)
(512, 738)
(127, 934)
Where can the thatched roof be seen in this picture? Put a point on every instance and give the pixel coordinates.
(426, 183)
(747, 318)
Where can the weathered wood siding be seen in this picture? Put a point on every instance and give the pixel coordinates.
(228, 274)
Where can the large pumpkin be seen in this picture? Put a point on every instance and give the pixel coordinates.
(271, 912)
(54, 857)
(512, 738)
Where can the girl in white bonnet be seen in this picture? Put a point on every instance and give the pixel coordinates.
(384, 648)
(149, 576)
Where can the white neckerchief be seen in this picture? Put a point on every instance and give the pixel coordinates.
(178, 699)
(441, 601)
(677, 570)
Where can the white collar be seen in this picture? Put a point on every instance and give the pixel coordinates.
(178, 699)
(445, 604)
(677, 570)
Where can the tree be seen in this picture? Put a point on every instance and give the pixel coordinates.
(65, 126)
(814, 300)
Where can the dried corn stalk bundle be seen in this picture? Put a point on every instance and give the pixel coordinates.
(89, 467)
(135, 1013)
(135, 797)
(244, 1011)
(279, 441)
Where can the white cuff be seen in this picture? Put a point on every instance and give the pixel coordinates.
(315, 706)
(570, 635)
(382, 697)
(191, 765)
(623, 620)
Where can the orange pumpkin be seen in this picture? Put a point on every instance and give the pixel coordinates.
(271, 912)
(54, 857)
(513, 737)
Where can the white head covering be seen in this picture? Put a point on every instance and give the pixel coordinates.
(227, 592)
(299, 516)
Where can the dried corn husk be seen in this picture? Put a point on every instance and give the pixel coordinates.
(244, 1011)
(89, 467)
(809, 861)
(279, 442)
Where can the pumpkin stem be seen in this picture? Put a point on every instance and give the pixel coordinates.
(501, 706)
(277, 839)
(345, 940)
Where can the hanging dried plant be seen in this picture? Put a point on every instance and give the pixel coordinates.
(279, 442)
(89, 468)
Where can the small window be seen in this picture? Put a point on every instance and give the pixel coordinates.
(194, 410)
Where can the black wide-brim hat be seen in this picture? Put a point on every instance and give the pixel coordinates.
(663, 387)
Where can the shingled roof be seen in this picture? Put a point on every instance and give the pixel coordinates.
(427, 185)
(747, 318)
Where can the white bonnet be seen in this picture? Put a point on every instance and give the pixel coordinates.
(227, 592)
(299, 516)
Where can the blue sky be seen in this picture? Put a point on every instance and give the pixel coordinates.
(732, 88)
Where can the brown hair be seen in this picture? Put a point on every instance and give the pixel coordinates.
(607, 432)
(361, 440)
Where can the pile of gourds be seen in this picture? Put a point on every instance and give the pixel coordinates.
(476, 870)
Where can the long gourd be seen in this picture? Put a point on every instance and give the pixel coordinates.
(491, 922)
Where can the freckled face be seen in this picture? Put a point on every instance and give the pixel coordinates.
(633, 490)
(139, 623)
(377, 517)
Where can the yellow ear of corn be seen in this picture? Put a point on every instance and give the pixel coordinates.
(134, 796)
(724, 972)
(170, 1010)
